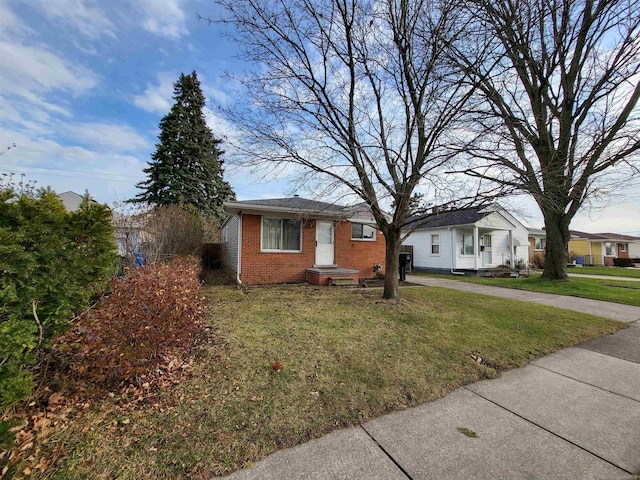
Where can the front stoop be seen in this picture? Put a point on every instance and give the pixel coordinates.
(342, 282)
(332, 276)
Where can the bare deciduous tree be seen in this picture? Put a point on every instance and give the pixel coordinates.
(359, 93)
(557, 107)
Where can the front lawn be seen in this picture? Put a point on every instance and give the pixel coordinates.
(610, 271)
(345, 356)
(616, 291)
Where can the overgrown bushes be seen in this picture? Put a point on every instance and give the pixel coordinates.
(538, 260)
(52, 264)
(623, 262)
(152, 312)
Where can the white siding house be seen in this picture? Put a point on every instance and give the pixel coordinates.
(468, 240)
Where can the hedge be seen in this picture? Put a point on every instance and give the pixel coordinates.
(53, 263)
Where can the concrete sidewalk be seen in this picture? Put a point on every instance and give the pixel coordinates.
(573, 414)
(604, 277)
(622, 313)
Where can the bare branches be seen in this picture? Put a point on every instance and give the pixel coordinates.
(559, 97)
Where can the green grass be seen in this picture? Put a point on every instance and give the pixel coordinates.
(616, 291)
(347, 356)
(611, 271)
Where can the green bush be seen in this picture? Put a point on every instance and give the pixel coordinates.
(52, 264)
(623, 262)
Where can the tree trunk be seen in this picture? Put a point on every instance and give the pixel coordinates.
(392, 237)
(557, 250)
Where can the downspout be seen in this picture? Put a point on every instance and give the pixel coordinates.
(238, 281)
(453, 254)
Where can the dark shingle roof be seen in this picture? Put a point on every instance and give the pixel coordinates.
(297, 203)
(604, 236)
(466, 216)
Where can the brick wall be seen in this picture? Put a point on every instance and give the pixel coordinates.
(358, 254)
(272, 267)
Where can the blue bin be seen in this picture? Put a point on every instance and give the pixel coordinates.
(579, 260)
(140, 259)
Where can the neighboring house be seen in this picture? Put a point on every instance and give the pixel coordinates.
(295, 240)
(537, 242)
(71, 200)
(602, 248)
(469, 241)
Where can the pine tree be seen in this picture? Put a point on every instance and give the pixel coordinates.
(186, 168)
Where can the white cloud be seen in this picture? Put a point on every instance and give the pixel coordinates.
(165, 18)
(157, 98)
(81, 15)
(9, 22)
(25, 69)
(112, 137)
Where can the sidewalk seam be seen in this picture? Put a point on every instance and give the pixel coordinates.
(404, 472)
(551, 432)
(587, 383)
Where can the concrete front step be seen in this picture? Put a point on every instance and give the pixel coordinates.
(343, 282)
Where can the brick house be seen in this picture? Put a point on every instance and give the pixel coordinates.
(295, 240)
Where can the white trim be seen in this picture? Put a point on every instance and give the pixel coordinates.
(431, 245)
(239, 249)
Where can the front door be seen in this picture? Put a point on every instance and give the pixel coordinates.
(487, 255)
(324, 243)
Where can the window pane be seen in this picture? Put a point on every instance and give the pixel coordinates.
(271, 233)
(368, 232)
(467, 245)
(291, 235)
(609, 248)
(356, 230)
(323, 233)
(435, 244)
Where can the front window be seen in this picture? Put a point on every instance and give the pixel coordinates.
(540, 244)
(609, 249)
(282, 234)
(360, 231)
(435, 244)
(466, 246)
(623, 247)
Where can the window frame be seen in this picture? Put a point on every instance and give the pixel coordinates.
(608, 249)
(462, 245)
(543, 244)
(435, 235)
(282, 220)
(623, 247)
(363, 239)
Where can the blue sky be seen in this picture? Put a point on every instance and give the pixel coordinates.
(84, 84)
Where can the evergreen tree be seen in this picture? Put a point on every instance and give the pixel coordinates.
(186, 168)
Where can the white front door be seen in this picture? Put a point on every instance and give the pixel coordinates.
(324, 243)
(487, 256)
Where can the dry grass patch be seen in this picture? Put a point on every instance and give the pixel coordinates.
(346, 356)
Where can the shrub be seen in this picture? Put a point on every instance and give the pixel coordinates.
(152, 312)
(623, 262)
(538, 260)
(53, 264)
(159, 233)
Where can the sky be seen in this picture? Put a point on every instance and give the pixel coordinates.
(84, 84)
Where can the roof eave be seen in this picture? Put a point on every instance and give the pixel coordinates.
(253, 209)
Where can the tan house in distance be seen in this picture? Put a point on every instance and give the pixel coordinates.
(601, 248)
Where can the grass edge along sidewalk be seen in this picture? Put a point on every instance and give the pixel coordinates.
(603, 289)
(343, 357)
